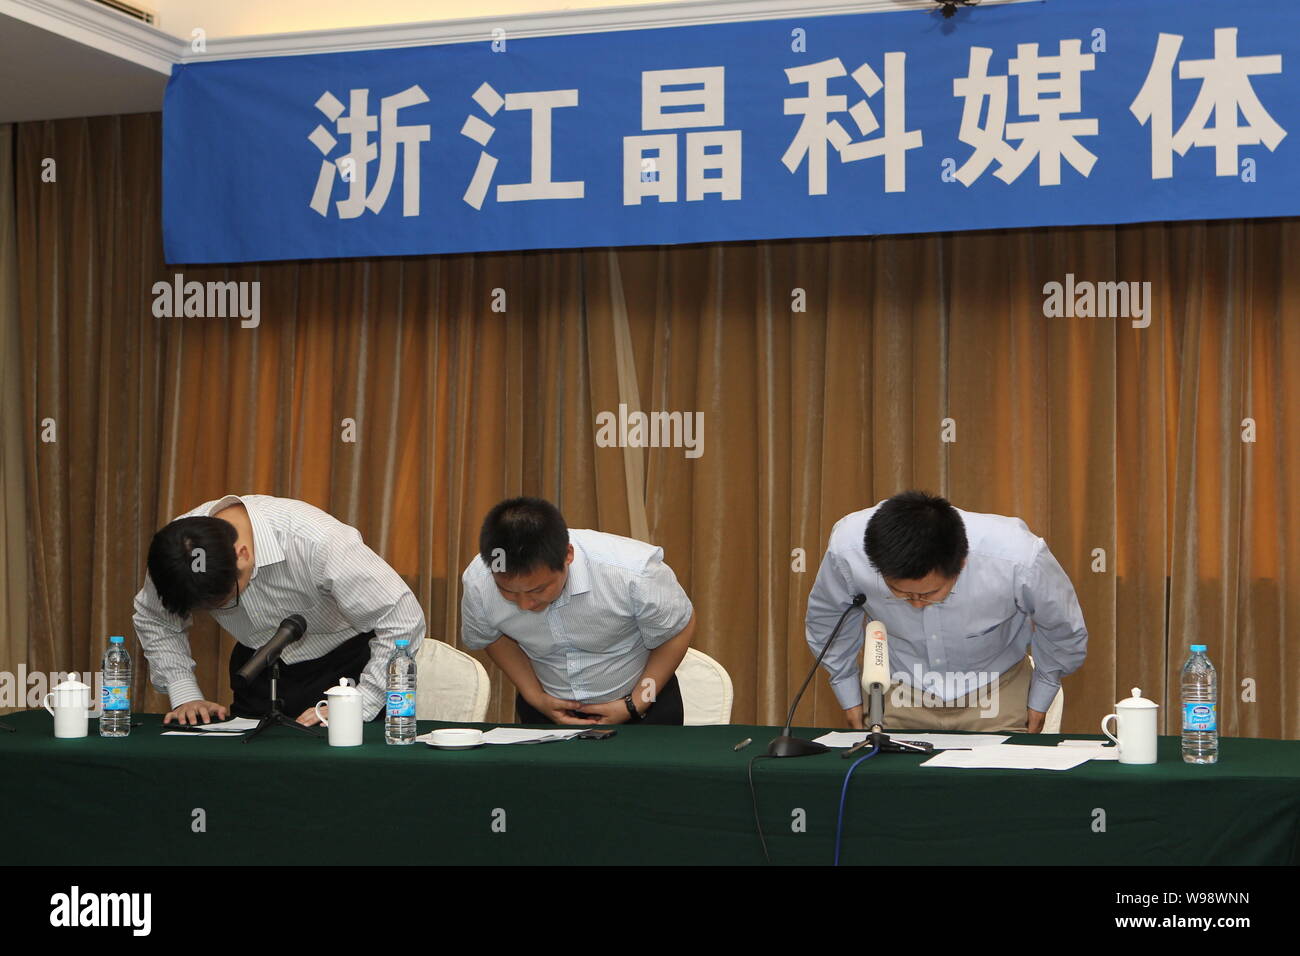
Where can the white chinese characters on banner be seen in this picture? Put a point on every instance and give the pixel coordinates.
(1048, 87)
(540, 185)
(817, 128)
(712, 157)
(1225, 89)
(356, 124)
(684, 151)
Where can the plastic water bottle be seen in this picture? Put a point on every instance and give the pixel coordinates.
(1200, 706)
(115, 699)
(399, 721)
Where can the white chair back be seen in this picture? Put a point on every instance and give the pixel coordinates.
(450, 685)
(706, 688)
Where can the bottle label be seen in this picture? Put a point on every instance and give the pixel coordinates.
(1199, 717)
(401, 703)
(115, 697)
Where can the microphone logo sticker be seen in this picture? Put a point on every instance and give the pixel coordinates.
(878, 653)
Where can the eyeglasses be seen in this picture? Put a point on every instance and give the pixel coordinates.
(229, 607)
(926, 598)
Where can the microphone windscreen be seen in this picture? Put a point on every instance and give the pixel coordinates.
(876, 663)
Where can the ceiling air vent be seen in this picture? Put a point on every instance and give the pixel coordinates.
(135, 13)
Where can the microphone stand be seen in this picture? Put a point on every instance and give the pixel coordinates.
(887, 745)
(275, 717)
(787, 746)
(880, 740)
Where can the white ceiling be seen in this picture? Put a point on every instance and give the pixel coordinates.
(47, 76)
(242, 18)
(62, 58)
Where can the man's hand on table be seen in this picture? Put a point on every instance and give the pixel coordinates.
(308, 717)
(192, 711)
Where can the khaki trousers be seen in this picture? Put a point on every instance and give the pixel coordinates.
(999, 707)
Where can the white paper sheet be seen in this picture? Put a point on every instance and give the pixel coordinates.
(235, 725)
(843, 738)
(1011, 757)
(190, 733)
(523, 735)
(1095, 749)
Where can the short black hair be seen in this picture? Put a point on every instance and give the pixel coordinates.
(527, 532)
(181, 585)
(913, 534)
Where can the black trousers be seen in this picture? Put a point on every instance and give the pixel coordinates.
(302, 684)
(667, 708)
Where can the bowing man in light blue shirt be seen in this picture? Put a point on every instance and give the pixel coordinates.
(589, 626)
(964, 597)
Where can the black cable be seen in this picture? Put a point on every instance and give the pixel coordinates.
(859, 600)
(753, 796)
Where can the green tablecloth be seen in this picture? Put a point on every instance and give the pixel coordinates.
(648, 795)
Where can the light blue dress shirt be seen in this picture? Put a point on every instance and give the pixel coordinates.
(966, 641)
(590, 644)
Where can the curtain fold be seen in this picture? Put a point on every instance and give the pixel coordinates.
(408, 395)
(13, 484)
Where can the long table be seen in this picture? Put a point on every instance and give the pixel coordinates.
(665, 795)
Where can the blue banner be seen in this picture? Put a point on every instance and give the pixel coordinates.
(1087, 111)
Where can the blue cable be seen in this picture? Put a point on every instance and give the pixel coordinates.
(844, 790)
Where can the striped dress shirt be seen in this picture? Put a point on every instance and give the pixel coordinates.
(305, 562)
(967, 640)
(591, 644)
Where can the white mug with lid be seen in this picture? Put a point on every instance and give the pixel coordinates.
(1135, 728)
(71, 708)
(344, 722)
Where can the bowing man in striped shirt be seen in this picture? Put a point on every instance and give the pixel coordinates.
(250, 561)
(589, 626)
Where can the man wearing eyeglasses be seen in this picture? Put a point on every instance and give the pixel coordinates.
(964, 597)
(590, 627)
(250, 561)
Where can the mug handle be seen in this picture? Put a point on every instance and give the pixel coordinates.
(323, 721)
(45, 704)
(1104, 720)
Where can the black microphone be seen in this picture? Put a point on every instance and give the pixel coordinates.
(291, 629)
(785, 745)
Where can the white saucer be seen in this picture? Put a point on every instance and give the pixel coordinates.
(455, 738)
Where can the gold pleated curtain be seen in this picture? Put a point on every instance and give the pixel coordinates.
(1158, 462)
(13, 486)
